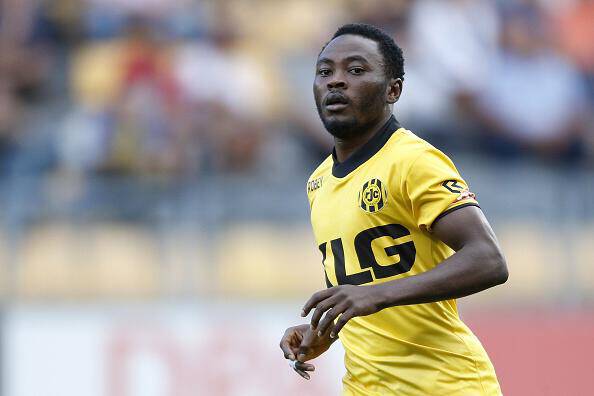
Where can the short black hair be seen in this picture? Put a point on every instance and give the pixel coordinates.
(391, 52)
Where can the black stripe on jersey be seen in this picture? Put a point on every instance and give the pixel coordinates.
(447, 212)
(322, 248)
(339, 267)
(341, 169)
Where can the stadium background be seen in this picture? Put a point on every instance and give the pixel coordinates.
(154, 235)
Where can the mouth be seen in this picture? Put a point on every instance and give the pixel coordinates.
(336, 102)
(336, 107)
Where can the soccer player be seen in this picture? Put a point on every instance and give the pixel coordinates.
(401, 237)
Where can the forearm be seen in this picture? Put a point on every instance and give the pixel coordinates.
(473, 268)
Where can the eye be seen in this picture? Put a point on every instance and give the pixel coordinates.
(324, 72)
(356, 71)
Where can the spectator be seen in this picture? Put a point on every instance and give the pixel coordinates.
(448, 58)
(229, 97)
(534, 101)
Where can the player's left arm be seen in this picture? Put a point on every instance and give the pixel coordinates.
(478, 264)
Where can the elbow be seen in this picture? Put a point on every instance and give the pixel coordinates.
(493, 265)
(499, 271)
(501, 274)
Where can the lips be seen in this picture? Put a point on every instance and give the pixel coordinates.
(336, 101)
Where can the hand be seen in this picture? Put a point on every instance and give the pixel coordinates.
(346, 300)
(299, 344)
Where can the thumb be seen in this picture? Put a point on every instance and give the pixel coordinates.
(302, 354)
(308, 340)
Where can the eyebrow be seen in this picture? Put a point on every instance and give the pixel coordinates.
(348, 59)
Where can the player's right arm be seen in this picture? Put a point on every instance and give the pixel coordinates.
(300, 344)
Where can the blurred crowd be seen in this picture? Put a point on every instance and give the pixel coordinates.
(186, 88)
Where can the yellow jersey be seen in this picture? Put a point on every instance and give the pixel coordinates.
(372, 216)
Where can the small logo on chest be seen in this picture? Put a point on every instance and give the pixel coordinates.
(314, 184)
(373, 196)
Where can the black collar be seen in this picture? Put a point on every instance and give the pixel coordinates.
(341, 169)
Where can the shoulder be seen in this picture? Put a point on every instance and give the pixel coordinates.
(408, 150)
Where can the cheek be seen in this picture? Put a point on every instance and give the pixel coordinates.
(317, 91)
(371, 94)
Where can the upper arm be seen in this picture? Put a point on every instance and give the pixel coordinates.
(442, 204)
(468, 228)
(463, 226)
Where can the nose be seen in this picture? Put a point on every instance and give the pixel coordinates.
(337, 81)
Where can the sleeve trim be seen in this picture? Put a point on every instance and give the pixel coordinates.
(447, 212)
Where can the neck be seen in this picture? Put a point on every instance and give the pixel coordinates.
(346, 147)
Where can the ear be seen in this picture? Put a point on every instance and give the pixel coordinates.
(394, 90)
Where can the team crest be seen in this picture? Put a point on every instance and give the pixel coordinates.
(373, 196)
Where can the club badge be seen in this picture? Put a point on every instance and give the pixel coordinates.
(373, 196)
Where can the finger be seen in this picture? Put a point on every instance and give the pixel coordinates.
(321, 308)
(303, 374)
(300, 371)
(289, 346)
(286, 348)
(305, 348)
(315, 299)
(344, 318)
(302, 354)
(304, 366)
(290, 343)
(330, 317)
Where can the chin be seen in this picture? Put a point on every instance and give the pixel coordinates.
(341, 127)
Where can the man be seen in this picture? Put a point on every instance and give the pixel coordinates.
(401, 238)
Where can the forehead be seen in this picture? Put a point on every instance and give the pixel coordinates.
(349, 45)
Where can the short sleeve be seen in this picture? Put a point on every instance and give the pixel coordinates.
(435, 188)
